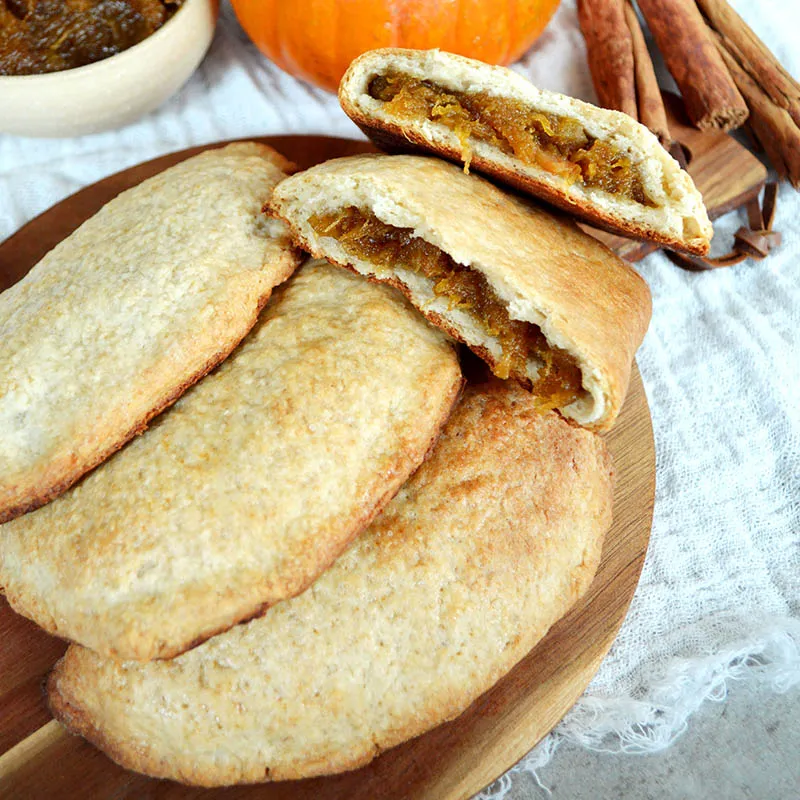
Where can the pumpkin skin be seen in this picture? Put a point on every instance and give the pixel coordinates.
(317, 39)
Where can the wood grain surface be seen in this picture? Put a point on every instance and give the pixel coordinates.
(38, 759)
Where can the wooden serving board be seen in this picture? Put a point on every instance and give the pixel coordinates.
(38, 759)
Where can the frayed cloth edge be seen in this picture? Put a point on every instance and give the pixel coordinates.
(652, 723)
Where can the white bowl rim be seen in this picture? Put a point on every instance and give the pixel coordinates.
(97, 66)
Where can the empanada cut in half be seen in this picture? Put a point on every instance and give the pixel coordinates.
(530, 293)
(121, 317)
(490, 542)
(244, 491)
(598, 164)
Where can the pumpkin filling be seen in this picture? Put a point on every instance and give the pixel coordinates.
(38, 36)
(363, 236)
(557, 144)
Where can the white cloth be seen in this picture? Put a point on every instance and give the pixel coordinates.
(719, 595)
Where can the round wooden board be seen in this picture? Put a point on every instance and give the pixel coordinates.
(453, 761)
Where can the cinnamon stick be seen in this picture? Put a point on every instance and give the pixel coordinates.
(753, 55)
(648, 96)
(609, 49)
(773, 126)
(709, 92)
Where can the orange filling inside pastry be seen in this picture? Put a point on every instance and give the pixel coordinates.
(557, 144)
(364, 236)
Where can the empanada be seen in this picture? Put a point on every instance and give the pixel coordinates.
(142, 300)
(244, 491)
(490, 542)
(534, 296)
(598, 164)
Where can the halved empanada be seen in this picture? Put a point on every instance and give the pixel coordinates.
(599, 164)
(534, 296)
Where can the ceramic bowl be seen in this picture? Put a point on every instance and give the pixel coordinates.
(115, 91)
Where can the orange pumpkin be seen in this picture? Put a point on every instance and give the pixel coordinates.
(317, 39)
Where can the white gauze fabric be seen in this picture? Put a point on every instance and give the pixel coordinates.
(719, 595)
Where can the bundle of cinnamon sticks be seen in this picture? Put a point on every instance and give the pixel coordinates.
(726, 74)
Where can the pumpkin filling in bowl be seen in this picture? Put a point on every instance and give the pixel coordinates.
(364, 236)
(39, 36)
(556, 144)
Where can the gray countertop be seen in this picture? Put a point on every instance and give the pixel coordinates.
(747, 748)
